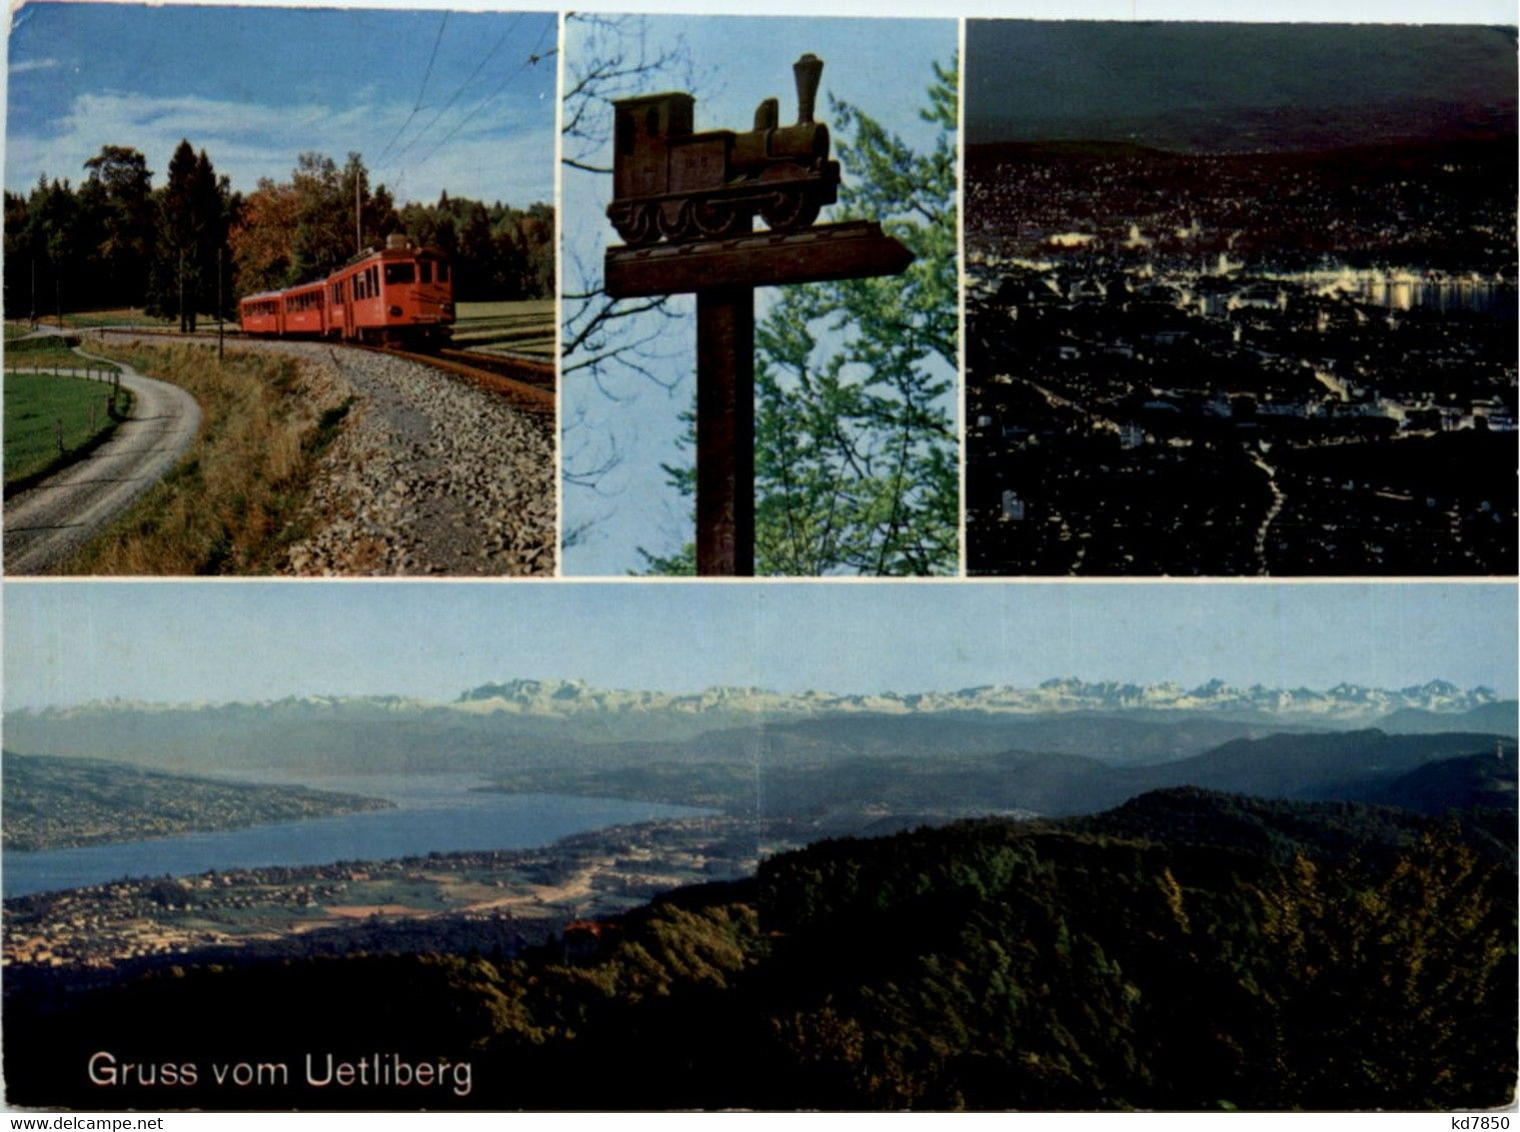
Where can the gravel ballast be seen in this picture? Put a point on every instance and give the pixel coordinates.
(429, 476)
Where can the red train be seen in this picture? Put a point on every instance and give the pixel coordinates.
(399, 295)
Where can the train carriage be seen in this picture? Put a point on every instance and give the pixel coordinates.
(260, 314)
(397, 295)
(304, 311)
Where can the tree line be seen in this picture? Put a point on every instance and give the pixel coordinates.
(191, 246)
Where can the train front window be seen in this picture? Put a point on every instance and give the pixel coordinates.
(426, 267)
(443, 273)
(399, 273)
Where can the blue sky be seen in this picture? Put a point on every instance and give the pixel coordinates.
(633, 419)
(256, 87)
(178, 641)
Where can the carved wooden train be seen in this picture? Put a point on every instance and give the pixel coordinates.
(670, 182)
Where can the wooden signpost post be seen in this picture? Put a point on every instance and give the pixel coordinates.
(685, 202)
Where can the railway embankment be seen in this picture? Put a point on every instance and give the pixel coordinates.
(430, 476)
(308, 459)
(226, 498)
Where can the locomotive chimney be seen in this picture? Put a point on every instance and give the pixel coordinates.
(808, 70)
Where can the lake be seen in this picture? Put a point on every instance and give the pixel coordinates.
(436, 813)
(1487, 298)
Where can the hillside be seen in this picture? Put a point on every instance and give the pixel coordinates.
(1348, 765)
(55, 803)
(939, 782)
(1497, 718)
(1192, 951)
(1485, 780)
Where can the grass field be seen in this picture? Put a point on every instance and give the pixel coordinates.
(125, 316)
(228, 506)
(35, 404)
(514, 328)
(134, 317)
(51, 353)
(413, 892)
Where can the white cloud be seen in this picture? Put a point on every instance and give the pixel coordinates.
(499, 155)
(27, 65)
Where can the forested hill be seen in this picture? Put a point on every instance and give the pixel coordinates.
(1189, 951)
(1350, 765)
(1353, 766)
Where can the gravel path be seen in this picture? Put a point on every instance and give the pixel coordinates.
(52, 520)
(429, 476)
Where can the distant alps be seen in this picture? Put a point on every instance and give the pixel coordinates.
(1345, 705)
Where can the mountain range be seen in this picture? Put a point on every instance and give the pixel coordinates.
(1066, 746)
(1345, 705)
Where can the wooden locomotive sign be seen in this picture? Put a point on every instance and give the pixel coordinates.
(685, 203)
(671, 182)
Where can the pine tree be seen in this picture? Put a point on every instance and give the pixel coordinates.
(194, 213)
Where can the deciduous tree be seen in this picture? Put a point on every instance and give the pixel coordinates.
(261, 241)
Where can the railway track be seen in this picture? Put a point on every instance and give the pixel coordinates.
(536, 372)
(526, 382)
(528, 385)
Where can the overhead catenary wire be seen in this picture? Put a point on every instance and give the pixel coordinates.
(421, 91)
(453, 98)
(533, 58)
